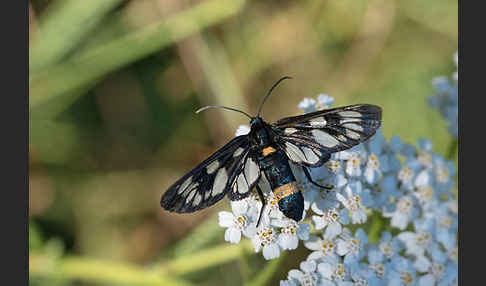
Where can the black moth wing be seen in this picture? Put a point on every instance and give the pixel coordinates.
(309, 139)
(211, 180)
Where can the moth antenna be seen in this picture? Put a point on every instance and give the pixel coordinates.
(269, 92)
(222, 107)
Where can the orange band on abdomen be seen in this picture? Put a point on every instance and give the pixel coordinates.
(285, 190)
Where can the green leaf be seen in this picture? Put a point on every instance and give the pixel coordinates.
(62, 27)
(88, 66)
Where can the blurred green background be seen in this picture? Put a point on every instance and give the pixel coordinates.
(113, 89)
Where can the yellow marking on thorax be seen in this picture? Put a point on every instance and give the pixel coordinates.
(285, 190)
(268, 151)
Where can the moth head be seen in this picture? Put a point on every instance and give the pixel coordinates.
(256, 123)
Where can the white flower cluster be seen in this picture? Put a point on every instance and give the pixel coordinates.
(446, 100)
(409, 187)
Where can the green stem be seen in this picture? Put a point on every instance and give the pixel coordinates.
(96, 270)
(204, 259)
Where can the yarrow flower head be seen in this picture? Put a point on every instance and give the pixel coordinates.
(238, 222)
(407, 186)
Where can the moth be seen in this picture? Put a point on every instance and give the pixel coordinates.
(306, 140)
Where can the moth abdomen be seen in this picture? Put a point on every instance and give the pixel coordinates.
(292, 206)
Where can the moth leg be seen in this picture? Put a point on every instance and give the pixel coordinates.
(262, 198)
(307, 174)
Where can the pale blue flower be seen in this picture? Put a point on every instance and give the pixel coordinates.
(416, 242)
(388, 187)
(396, 144)
(408, 150)
(324, 101)
(445, 224)
(355, 160)
(308, 105)
(444, 172)
(438, 271)
(421, 241)
(388, 246)
(266, 239)
(405, 177)
(306, 276)
(377, 161)
(352, 201)
(332, 220)
(446, 101)
(401, 272)
(237, 222)
(333, 272)
(376, 263)
(363, 275)
(401, 212)
(352, 247)
(321, 247)
(291, 232)
(288, 283)
(242, 130)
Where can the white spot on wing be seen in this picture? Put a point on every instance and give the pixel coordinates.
(184, 185)
(197, 199)
(294, 152)
(191, 194)
(324, 139)
(207, 195)
(311, 156)
(290, 130)
(342, 138)
(220, 182)
(238, 152)
(318, 122)
(353, 126)
(212, 167)
(241, 184)
(349, 120)
(251, 171)
(352, 134)
(349, 114)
